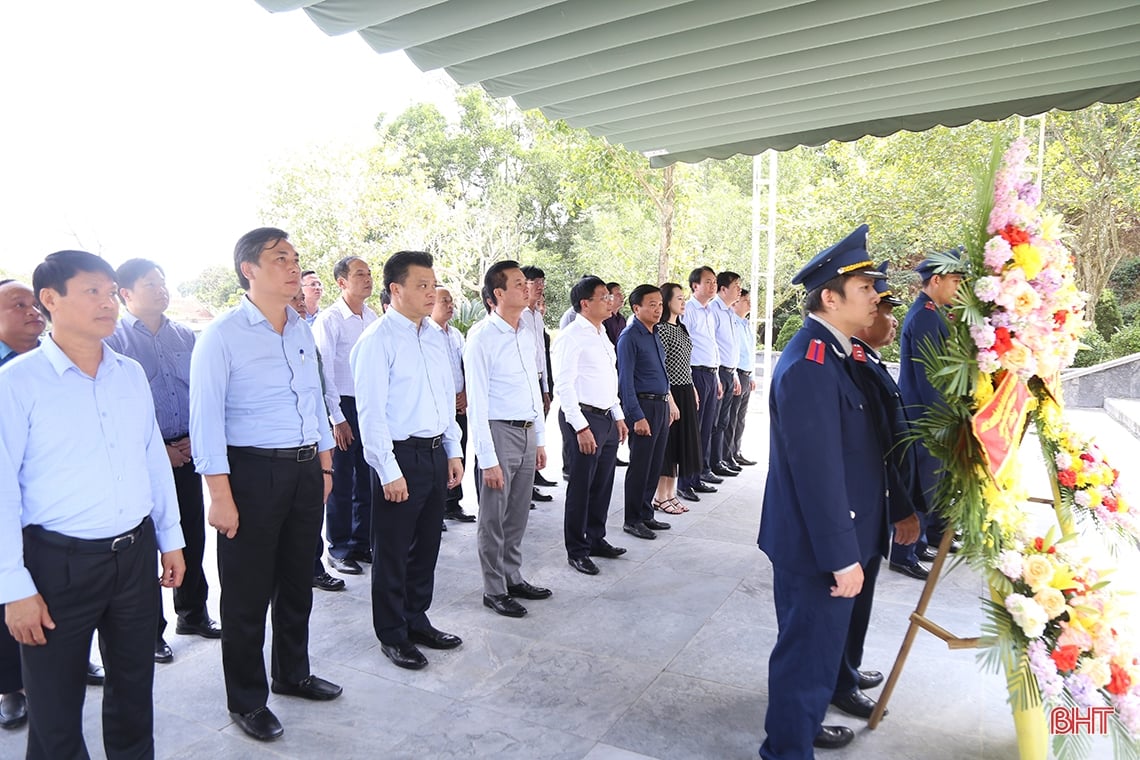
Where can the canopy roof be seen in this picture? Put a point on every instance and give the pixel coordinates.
(687, 80)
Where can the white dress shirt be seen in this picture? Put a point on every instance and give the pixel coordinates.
(727, 348)
(336, 331)
(532, 319)
(502, 384)
(702, 329)
(402, 389)
(454, 352)
(585, 371)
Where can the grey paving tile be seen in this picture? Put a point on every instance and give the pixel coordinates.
(689, 593)
(603, 751)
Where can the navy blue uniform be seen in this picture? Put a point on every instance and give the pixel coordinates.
(824, 509)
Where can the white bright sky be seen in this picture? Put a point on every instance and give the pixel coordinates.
(148, 127)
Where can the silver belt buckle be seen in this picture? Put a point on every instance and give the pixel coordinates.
(123, 542)
(306, 453)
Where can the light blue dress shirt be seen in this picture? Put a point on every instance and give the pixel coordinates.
(165, 357)
(502, 383)
(336, 331)
(747, 342)
(724, 324)
(404, 389)
(250, 386)
(702, 329)
(80, 456)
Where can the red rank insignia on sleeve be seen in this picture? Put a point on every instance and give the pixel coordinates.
(857, 353)
(816, 351)
(932, 306)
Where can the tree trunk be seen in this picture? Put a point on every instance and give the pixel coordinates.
(666, 213)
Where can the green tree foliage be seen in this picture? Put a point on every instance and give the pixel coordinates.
(1108, 318)
(215, 287)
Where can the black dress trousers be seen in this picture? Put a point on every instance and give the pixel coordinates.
(646, 452)
(190, 597)
(269, 561)
(591, 484)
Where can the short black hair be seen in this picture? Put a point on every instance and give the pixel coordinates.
(531, 272)
(496, 277)
(396, 268)
(488, 297)
(5, 281)
(814, 300)
(131, 270)
(307, 272)
(249, 247)
(611, 285)
(59, 267)
(744, 292)
(340, 269)
(583, 290)
(696, 275)
(385, 299)
(725, 279)
(638, 294)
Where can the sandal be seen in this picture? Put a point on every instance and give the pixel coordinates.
(677, 504)
(668, 506)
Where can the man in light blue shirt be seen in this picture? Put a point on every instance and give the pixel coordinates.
(87, 499)
(163, 349)
(746, 340)
(728, 350)
(700, 321)
(260, 435)
(405, 395)
(508, 434)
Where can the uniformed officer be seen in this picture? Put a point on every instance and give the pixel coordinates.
(872, 376)
(823, 516)
(924, 329)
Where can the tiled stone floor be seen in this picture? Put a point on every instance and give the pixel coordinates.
(662, 655)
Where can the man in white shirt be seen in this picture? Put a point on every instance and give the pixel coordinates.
(508, 431)
(312, 289)
(348, 511)
(705, 360)
(441, 315)
(532, 319)
(411, 441)
(586, 384)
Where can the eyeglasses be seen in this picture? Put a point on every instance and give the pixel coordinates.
(316, 285)
(606, 297)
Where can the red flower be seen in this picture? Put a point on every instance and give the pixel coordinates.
(1109, 503)
(1002, 340)
(1120, 681)
(1014, 235)
(1066, 657)
(1067, 478)
(1088, 457)
(1059, 318)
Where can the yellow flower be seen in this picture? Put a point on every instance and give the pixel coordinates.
(1028, 257)
(1052, 228)
(1038, 571)
(1062, 578)
(985, 390)
(1051, 600)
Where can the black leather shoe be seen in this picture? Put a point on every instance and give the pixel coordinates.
(404, 655)
(13, 710)
(915, 570)
(639, 530)
(458, 515)
(687, 495)
(326, 582)
(743, 461)
(869, 679)
(833, 737)
(312, 687)
(730, 465)
(346, 566)
(433, 638)
(539, 480)
(653, 524)
(504, 605)
(442, 527)
(261, 724)
(621, 463)
(703, 487)
(583, 565)
(856, 703)
(710, 477)
(605, 549)
(206, 628)
(525, 590)
(566, 476)
(96, 675)
(955, 546)
(928, 554)
(162, 652)
(722, 471)
(537, 495)
(360, 555)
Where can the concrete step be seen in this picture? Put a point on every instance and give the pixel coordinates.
(1125, 411)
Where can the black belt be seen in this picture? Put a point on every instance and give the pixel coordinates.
(595, 409)
(88, 545)
(727, 369)
(654, 396)
(422, 443)
(744, 371)
(525, 424)
(297, 454)
(703, 368)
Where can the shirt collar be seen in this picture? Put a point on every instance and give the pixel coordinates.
(637, 324)
(579, 317)
(501, 324)
(844, 341)
(60, 361)
(131, 322)
(405, 323)
(254, 315)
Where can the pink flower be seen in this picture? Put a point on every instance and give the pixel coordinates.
(997, 253)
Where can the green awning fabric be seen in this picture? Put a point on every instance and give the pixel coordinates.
(685, 81)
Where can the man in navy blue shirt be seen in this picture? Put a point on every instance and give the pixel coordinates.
(643, 388)
(261, 436)
(163, 349)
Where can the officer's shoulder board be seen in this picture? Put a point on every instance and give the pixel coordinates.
(816, 351)
(931, 306)
(857, 353)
